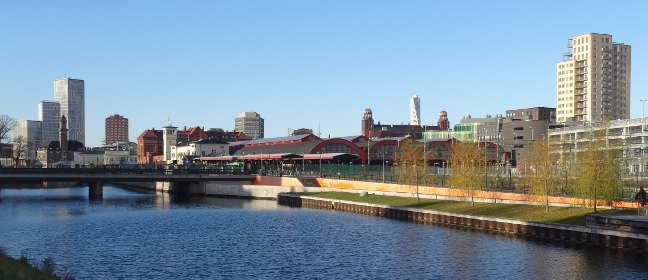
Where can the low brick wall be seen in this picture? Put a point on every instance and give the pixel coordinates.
(552, 232)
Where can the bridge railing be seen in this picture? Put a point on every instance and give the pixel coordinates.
(125, 171)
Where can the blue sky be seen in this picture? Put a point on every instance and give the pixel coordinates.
(299, 63)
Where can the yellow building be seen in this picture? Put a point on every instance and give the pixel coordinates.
(593, 80)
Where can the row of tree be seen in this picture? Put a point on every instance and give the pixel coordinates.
(591, 173)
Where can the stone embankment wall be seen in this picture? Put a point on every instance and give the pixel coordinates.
(436, 192)
(552, 232)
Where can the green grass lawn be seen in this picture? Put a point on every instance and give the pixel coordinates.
(561, 215)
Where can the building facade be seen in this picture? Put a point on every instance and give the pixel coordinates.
(518, 136)
(629, 136)
(70, 93)
(49, 114)
(30, 133)
(149, 145)
(116, 130)
(226, 136)
(593, 80)
(470, 130)
(193, 149)
(89, 158)
(533, 114)
(169, 139)
(300, 131)
(250, 123)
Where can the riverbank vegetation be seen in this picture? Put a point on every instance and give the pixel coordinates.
(27, 268)
(531, 213)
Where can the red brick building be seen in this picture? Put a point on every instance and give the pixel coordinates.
(372, 130)
(226, 136)
(150, 142)
(116, 130)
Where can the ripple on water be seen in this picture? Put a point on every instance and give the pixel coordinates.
(147, 236)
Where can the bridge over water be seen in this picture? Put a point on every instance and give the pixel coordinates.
(95, 178)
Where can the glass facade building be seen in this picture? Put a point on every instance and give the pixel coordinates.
(70, 93)
(49, 114)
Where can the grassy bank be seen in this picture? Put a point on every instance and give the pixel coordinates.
(24, 269)
(532, 213)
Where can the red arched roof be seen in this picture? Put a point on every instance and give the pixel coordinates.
(387, 142)
(361, 154)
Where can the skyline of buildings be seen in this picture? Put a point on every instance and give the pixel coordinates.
(577, 79)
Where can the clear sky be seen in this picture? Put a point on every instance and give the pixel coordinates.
(300, 63)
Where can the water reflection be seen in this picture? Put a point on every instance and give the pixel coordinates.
(157, 236)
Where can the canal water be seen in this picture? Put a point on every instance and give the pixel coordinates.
(130, 235)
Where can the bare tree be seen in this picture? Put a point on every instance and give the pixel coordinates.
(410, 162)
(6, 125)
(543, 177)
(467, 162)
(598, 168)
(21, 148)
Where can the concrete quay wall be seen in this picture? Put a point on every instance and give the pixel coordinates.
(551, 232)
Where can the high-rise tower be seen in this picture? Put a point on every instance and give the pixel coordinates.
(49, 113)
(70, 93)
(116, 129)
(250, 123)
(593, 80)
(415, 110)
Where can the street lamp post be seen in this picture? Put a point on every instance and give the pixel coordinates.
(383, 162)
(417, 184)
(444, 165)
(643, 112)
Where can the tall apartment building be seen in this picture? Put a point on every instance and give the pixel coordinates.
(31, 131)
(593, 80)
(249, 123)
(116, 129)
(49, 114)
(70, 93)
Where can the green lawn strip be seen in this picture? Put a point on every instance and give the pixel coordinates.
(13, 269)
(532, 213)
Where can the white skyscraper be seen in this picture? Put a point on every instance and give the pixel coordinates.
(415, 110)
(49, 114)
(70, 93)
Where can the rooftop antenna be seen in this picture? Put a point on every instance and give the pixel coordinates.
(319, 133)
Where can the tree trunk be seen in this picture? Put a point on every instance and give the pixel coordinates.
(546, 197)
